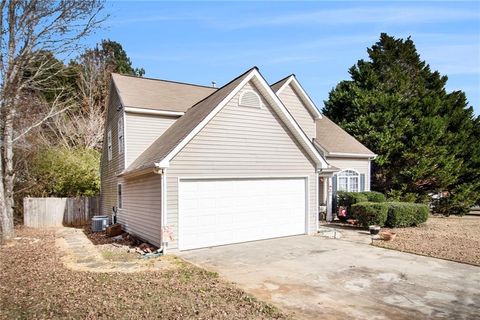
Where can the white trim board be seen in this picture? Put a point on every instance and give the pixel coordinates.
(346, 154)
(154, 112)
(276, 104)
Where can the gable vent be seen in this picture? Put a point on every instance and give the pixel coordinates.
(250, 99)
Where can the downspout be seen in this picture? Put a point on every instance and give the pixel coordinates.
(163, 206)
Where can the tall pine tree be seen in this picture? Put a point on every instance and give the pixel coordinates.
(427, 139)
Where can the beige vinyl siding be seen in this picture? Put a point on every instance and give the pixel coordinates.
(110, 168)
(299, 111)
(141, 212)
(358, 164)
(142, 130)
(241, 142)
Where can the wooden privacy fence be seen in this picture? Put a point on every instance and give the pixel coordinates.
(55, 212)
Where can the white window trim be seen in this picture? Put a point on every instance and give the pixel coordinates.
(120, 135)
(120, 196)
(349, 179)
(109, 144)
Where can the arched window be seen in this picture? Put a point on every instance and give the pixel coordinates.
(348, 180)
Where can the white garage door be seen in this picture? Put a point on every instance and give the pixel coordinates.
(217, 212)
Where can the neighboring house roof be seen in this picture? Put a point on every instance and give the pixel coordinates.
(160, 152)
(137, 92)
(335, 141)
(278, 87)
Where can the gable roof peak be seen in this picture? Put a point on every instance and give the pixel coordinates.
(279, 86)
(162, 150)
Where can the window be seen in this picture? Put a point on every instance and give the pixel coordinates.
(109, 144)
(121, 144)
(250, 99)
(348, 180)
(119, 196)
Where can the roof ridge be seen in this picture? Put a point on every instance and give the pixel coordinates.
(164, 80)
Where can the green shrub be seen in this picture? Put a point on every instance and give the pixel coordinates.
(370, 213)
(63, 172)
(374, 196)
(347, 199)
(405, 214)
(423, 213)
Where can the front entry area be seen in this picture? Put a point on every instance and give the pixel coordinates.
(215, 212)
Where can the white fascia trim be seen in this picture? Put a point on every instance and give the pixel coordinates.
(346, 154)
(253, 74)
(154, 112)
(303, 95)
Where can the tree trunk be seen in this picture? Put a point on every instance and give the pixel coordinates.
(8, 225)
(6, 217)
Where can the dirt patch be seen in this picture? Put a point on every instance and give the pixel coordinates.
(101, 238)
(451, 238)
(34, 284)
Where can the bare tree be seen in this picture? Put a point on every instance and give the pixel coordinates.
(27, 29)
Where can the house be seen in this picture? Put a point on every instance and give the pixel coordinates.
(189, 166)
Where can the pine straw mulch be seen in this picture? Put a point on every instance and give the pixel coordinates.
(451, 238)
(34, 284)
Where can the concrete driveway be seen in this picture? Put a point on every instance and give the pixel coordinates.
(318, 278)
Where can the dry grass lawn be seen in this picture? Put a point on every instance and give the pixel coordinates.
(452, 238)
(34, 284)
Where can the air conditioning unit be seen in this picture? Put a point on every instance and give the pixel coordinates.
(100, 223)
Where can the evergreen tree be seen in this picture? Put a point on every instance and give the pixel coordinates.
(426, 138)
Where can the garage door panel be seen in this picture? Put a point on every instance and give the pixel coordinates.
(217, 212)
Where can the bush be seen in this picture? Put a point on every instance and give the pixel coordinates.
(63, 172)
(405, 214)
(374, 196)
(370, 213)
(458, 203)
(347, 199)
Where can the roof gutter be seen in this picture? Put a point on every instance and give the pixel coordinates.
(351, 154)
(137, 172)
(154, 112)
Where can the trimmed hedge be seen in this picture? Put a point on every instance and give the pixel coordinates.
(370, 213)
(347, 199)
(374, 196)
(406, 214)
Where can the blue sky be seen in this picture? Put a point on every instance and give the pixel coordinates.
(318, 41)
